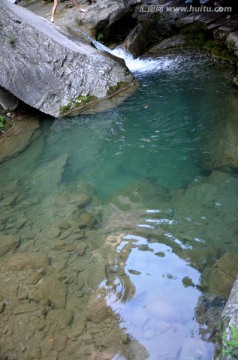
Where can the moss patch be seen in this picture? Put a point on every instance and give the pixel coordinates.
(80, 101)
(114, 89)
(199, 37)
(66, 108)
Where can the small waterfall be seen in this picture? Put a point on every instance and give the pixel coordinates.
(139, 65)
(135, 65)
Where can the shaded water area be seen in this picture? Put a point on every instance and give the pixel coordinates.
(121, 217)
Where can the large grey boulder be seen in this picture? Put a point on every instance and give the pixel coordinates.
(48, 71)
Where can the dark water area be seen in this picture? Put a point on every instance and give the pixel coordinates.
(149, 187)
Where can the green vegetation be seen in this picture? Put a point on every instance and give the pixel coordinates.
(100, 38)
(2, 123)
(10, 38)
(5, 124)
(231, 45)
(197, 37)
(231, 345)
(115, 88)
(235, 80)
(79, 101)
(66, 108)
(82, 100)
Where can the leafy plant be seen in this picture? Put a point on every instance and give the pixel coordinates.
(231, 344)
(100, 37)
(82, 100)
(2, 122)
(10, 38)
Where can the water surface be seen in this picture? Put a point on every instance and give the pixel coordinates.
(161, 208)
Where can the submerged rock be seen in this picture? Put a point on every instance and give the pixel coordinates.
(7, 243)
(223, 148)
(18, 138)
(52, 290)
(23, 261)
(224, 274)
(62, 317)
(97, 308)
(48, 177)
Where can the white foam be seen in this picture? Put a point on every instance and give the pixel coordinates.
(137, 65)
(142, 65)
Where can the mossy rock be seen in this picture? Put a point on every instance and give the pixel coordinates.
(114, 89)
(77, 103)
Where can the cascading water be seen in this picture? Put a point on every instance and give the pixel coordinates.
(135, 65)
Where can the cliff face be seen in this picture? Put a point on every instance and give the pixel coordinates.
(46, 70)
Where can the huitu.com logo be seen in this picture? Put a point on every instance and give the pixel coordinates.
(204, 7)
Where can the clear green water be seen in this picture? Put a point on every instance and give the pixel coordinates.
(162, 200)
